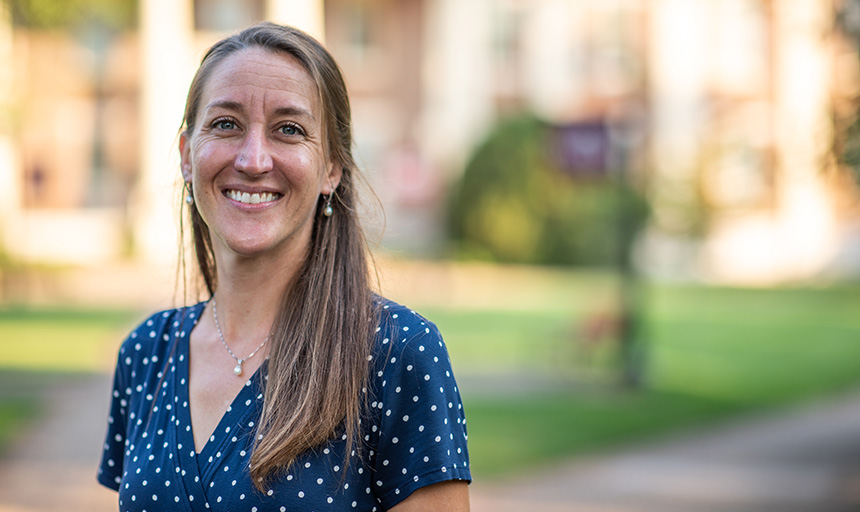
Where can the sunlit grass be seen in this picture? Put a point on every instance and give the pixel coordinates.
(754, 346)
(504, 341)
(61, 340)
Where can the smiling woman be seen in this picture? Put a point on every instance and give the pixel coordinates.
(351, 403)
(257, 137)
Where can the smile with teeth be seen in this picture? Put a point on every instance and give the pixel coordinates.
(246, 198)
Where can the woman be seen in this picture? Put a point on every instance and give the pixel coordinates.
(293, 387)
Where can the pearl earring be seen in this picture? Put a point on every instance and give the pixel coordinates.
(328, 210)
(189, 199)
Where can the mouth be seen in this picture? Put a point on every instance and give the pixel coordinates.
(249, 198)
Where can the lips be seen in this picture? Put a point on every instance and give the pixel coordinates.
(249, 198)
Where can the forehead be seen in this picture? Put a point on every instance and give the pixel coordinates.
(261, 77)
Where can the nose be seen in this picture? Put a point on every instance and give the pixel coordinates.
(254, 156)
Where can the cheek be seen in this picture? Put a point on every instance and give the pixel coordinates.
(206, 157)
(304, 170)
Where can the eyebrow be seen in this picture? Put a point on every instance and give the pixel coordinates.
(280, 111)
(294, 111)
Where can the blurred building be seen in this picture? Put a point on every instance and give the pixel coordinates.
(727, 108)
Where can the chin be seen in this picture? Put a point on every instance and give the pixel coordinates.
(250, 250)
(257, 247)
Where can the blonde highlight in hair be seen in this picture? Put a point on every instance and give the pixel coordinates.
(319, 353)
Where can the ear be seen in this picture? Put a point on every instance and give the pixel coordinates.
(185, 156)
(332, 178)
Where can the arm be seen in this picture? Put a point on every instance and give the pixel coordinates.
(449, 496)
(421, 460)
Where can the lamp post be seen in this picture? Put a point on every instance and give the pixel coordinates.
(599, 149)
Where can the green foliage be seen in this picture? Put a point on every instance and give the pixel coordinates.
(74, 14)
(514, 206)
(848, 147)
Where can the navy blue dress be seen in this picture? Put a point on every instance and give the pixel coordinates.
(415, 435)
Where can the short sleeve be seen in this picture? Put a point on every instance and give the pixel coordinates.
(110, 470)
(422, 438)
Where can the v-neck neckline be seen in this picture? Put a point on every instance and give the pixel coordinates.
(233, 421)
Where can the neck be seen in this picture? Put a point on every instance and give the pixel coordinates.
(249, 295)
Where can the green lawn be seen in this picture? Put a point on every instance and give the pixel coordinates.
(712, 352)
(61, 339)
(755, 346)
(521, 431)
(14, 414)
(532, 392)
(41, 347)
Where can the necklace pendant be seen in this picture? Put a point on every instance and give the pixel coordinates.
(237, 371)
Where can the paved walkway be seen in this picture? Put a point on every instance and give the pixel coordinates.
(53, 467)
(801, 460)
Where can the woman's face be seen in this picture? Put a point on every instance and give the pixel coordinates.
(256, 158)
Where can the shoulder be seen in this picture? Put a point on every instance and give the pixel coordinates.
(156, 331)
(417, 426)
(403, 327)
(408, 343)
(401, 321)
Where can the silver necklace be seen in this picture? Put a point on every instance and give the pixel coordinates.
(237, 371)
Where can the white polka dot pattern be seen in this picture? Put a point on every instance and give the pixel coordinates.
(415, 434)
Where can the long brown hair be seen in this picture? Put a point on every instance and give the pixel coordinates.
(322, 338)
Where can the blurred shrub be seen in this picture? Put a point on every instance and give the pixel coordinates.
(514, 205)
(74, 14)
(848, 146)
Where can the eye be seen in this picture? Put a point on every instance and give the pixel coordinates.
(224, 124)
(291, 129)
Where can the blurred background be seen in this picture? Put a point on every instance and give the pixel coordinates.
(631, 219)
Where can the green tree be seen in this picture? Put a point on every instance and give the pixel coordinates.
(846, 140)
(73, 15)
(514, 205)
